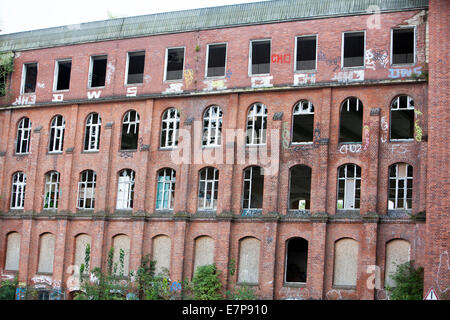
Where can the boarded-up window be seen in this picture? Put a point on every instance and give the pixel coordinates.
(12, 251)
(81, 241)
(397, 252)
(345, 262)
(46, 253)
(121, 242)
(161, 253)
(204, 251)
(249, 260)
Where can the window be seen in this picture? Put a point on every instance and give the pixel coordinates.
(136, 63)
(306, 53)
(349, 186)
(62, 75)
(46, 253)
(345, 262)
(300, 188)
(121, 242)
(253, 188)
(165, 189)
(5, 72)
(204, 251)
(397, 252)
(403, 46)
(125, 192)
(174, 64)
(81, 242)
(19, 183)
(57, 127)
(296, 260)
(217, 56)
(97, 72)
(256, 124)
(400, 186)
(51, 193)
(354, 48)
(259, 57)
(212, 126)
(208, 189)
(130, 131)
(12, 251)
(29, 78)
(402, 118)
(23, 136)
(161, 253)
(86, 190)
(303, 122)
(249, 251)
(351, 121)
(92, 132)
(169, 128)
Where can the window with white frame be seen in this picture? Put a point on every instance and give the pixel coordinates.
(260, 57)
(51, 192)
(92, 132)
(217, 56)
(400, 186)
(303, 122)
(349, 187)
(136, 63)
(208, 189)
(19, 182)
(62, 75)
(253, 188)
(125, 190)
(353, 49)
(306, 53)
(169, 128)
(23, 136)
(130, 131)
(256, 124)
(174, 64)
(402, 118)
(29, 78)
(165, 192)
(212, 126)
(57, 128)
(351, 121)
(403, 46)
(86, 190)
(97, 71)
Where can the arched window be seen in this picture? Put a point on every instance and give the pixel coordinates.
(19, 183)
(86, 190)
(121, 242)
(203, 252)
(400, 186)
(130, 131)
(165, 192)
(169, 128)
(303, 122)
(249, 251)
(349, 186)
(57, 128)
(402, 118)
(46, 253)
(300, 188)
(212, 126)
(256, 124)
(351, 121)
(125, 192)
(12, 251)
(81, 242)
(398, 251)
(161, 253)
(23, 136)
(296, 260)
(51, 193)
(253, 188)
(92, 132)
(345, 262)
(208, 188)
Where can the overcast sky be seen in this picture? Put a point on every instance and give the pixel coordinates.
(23, 15)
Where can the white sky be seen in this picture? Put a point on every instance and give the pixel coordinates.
(23, 15)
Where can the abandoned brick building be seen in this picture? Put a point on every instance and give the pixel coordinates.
(303, 142)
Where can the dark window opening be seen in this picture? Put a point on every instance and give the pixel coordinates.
(136, 61)
(300, 188)
(63, 78)
(351, 122)
(216, 60)
(303, 122)
(175, 64)
(306, 53)
(130, 131)
(354, 49)
(402, 118)
(3, 80)
(30, 78)
(297, 260)
(260, 57)
(98, 71)
(44, 295)
(403, 46)
(253, 188)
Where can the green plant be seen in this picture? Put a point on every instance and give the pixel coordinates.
(242, 292)
(408, 282)
(152, 286)
(206, 284)
(6, 67)
(8, 289)
(232, 266)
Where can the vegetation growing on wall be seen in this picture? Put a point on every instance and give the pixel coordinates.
(408, 282)
(6, 67)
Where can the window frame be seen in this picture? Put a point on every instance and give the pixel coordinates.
(397, 98)
(286, 249)
(56, 74)
(137, 127)
(129, 196)
(89, 135)
(250, 188)
(82, 183)
(343, 47)
(207, 60)
(91, 68)
(295, 53)
(127, 66)
(54, 189)
(392, 46)
(28, 139)
(310, 105)
(345, 178)
(19, 195)
(214, 189)
(55, 138)
(405, 198)
(254, 116)
(250, 58)
(166, 62)
(172, 185)
(218, 135)
(24, 76)
(175, 132)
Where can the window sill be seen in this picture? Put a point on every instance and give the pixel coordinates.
(21, 154)
(94, 88)
(128, 150)
(212, 146)
(301, 143)
(166, 148)
(294, 284)
(412, 64)
(139, 84)
(305, 71)
(44, 273)
(354, 68)
(259, 75)
(174, 80)
(54, 152)
(60, 91)
(344, 287)
(402, 140)
(341, 143)
(28, 93)
(90, 151)
(249, 284)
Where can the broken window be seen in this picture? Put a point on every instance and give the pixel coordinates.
(253, 188)
(349, 187)
(212, 126)
(57, 128)
(300, 188)
(256, 124)
(169, 128)
(165, 189)
(303, 122)
(81, 241)
(397, 252)
(6, 67)
(306, 53)
(136, 62)
(62, 74)
(208, 189)
(217, 55)
(29, 78)
(260, 57)
(249, 250)
(296, 260)
(86, 190)
(175, 64)
(120, 243)
(403, 43)
(353, 49)
(130, 131)
(345, 262)
(402, 118)
(204, 251)
(23, 136)
(12, 251)
(19, 183)
(400, 186)
(161, 253)
(125, 192)
(98, 71)
(92, 132)
(351, 121)
(46, 253)
(51, 192)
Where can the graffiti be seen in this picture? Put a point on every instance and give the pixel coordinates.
(214, 85)
(373, 21)
(110, 68)
(174, 88)
(384, 130)
(404, 72)
(281, 58)
(373, 57)
(188, 76)
(94, 94)
(330, 62)
(304, 78)
(366, 133)
(334, 294)
(45, 281)
(24, 100)
(374, 280)
(21, 293)
(125, 154)
(131, 92)
(20, 157)
(175, 286)
(399, 148)
(251, 212)
(310, 146)
(418, 129)
(294, 293)
(350, 148)
(286, 135)
(4, 276)
(73, 282)
(147, 78)
(228, 74)
(443, 272)
(58, 97)
(262, 82)
(349, 76)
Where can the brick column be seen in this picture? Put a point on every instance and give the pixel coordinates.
(137, 240)
(60, 249)
(223, 247)
(178, 244)
(102, 194)
(371, 144)
(269, 246)
(34, 198)
(25, 248)
(316, 257)
(3, 163)
(97, 257)
(368, 257)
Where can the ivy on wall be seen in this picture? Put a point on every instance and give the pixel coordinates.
(6, 67)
